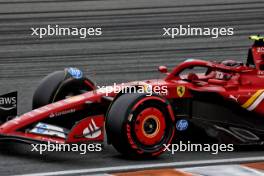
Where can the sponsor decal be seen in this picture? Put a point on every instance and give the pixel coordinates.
(8, 105)
(41, 128)
(92, 131)
(90, 128)
(219, 75)
(234, 97)
(74, 99)
(50, 130)
(180, 91)
(260, 72)
(260, 49)
(56, 114)
(8, 101)
(182, 125)
(75, 73)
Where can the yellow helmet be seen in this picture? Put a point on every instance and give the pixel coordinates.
(256, 37)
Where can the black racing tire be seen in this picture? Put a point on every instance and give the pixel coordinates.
(125, 119)
(57, 86)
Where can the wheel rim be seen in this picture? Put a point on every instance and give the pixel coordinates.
(150, 126)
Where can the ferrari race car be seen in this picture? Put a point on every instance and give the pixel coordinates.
(203, 101)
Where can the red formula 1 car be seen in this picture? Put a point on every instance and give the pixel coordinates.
(198, 100)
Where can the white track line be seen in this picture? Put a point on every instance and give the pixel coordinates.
(148, 166)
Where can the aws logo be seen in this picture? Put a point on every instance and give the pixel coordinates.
(8, 101)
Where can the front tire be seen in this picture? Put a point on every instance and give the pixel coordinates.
(139, 125)
(60, 85)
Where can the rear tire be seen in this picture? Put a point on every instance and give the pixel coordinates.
(138, 125)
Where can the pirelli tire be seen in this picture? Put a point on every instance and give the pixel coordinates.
(139, 125)
(60, 85)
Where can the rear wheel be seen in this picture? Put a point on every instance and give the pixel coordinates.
(139, 125)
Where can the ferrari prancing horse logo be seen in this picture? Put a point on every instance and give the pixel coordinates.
(180, 91)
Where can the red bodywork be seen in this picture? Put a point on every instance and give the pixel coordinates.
(239, 83)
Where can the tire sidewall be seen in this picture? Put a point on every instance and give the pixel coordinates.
(120, 130)
(52, 85)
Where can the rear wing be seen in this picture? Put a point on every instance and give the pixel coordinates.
(8, 106)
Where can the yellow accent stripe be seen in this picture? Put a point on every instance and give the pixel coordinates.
(251, 100)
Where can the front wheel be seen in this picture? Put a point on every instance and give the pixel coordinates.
(60, 85)
(139, 125)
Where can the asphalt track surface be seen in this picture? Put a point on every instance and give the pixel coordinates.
(131, 48)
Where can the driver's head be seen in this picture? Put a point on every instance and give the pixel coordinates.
(192, 77)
